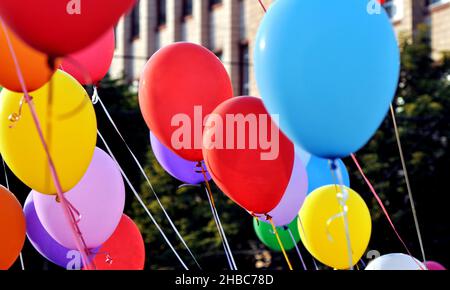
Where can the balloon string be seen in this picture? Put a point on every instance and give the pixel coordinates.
(96, 99)
(22, 264)
(49, 122)
(342, 199)
(6, 174)
(79, 241)
(380, 203)
(269, 218)
(306, 238)
(144, 206)
(216, 217)
(296, 248)
(230, 264)
(208, 186)
(74, 210)
(408, 184)
(262, 6)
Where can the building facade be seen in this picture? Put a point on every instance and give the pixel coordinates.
(406, 15)
(228, 28)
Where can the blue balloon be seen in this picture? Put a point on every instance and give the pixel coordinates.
(319, 173)
(329, 69)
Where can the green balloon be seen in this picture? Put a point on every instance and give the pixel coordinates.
(265, 233)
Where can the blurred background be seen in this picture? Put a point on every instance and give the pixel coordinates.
(228, 28)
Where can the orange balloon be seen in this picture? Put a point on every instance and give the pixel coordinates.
(12, 228)
(33, 64)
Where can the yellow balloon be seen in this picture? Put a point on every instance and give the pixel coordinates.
(322, 227)
(68, 121)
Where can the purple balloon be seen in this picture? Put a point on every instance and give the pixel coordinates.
(291, 202)
(181, 169)
(44, 243)
(99, 198)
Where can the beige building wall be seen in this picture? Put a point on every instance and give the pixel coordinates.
(416, 12)
(401, 12)
(439, 20)
(229, 28)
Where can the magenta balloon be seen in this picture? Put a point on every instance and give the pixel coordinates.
(434, 266)
(94, 60)
(181, 169)
(291, 202)
(99, 198)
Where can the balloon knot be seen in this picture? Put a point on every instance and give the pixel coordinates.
(95, 96)
(109, 259)
(334, 164)
(15, 117)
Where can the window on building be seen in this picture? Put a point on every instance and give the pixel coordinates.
(213, 3)
(187, 8)
(244, 70)
(135, 23)
(162, 12)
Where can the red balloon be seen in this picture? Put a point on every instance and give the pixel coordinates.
(63, 26)
(91, 64)
(245, 174)
(179, 79)
(124, 250)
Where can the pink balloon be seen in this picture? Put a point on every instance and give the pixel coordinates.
(434, 266)
(99, 198)
(291, 202)
(93, 60)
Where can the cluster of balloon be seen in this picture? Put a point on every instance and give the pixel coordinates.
(12, 228)
(33, 64)
(181, 169)
(293, 62)
(124, 250)
(42, 241)
(74, 24)
(256, 178)
(73, 129)
(83, 35)
(395, 262)
(91, 64)
(98, 201)
(322, 228)
(180, 83)
(264, 231)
